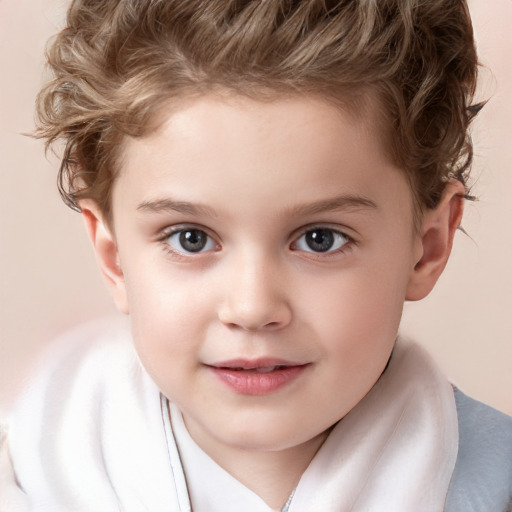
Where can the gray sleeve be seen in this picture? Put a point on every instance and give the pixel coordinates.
(482, 479)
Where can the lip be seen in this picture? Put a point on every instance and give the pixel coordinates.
(257, 377)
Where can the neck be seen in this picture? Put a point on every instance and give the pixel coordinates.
(272, 475)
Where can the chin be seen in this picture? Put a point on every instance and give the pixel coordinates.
(267, 438)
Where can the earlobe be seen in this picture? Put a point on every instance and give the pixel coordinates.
(107, 255)
(436, 239)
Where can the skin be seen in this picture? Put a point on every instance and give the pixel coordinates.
(255, 177)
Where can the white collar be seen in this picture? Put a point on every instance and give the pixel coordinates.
(89, 435)
(210, 487)
(395, 450)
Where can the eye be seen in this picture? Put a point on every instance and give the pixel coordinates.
(321, 240)
(191, 240)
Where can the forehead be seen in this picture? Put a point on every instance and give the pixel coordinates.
(215, 148)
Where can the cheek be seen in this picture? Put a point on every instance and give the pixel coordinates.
(168, 315)
(360, 301)
(159, 293)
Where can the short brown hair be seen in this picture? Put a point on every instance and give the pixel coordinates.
(117, 61)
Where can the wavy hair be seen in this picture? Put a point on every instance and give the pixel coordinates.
(117, 61)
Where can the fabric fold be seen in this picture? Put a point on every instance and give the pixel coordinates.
(88, 435)
(395, 451)
(92, 434)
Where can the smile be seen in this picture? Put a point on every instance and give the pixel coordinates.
(256, 378)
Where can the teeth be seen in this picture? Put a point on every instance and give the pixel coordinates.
(267, 369)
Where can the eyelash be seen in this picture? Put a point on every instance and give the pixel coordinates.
(338, 234)
(347, 243)
(176, 230)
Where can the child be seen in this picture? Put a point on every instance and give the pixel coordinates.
(264, 184)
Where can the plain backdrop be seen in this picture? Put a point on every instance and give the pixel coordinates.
(48, 278)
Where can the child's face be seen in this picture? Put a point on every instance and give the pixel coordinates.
(263, 235)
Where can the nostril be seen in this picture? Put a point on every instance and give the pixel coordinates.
(245, 326)
(269, 326)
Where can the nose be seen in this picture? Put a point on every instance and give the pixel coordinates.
(254, 297)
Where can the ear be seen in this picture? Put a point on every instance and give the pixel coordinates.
(435, 239)
(107, 255)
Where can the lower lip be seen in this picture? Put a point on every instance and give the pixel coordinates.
(251, 382)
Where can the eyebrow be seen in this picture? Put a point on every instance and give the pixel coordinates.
(170, 205)
(344, 202)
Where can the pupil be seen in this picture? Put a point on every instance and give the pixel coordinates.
(193, 240)
(320, 240)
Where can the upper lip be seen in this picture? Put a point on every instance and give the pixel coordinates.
(254, 364)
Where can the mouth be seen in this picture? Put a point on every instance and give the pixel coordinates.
(257, 377)
(262, 369)
(261, 365)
